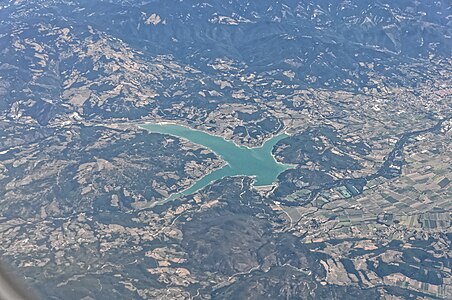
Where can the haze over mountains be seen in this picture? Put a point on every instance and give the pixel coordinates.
(362, 87)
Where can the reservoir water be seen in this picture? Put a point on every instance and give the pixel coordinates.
(240, 160)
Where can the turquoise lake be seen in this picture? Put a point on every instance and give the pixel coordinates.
(240, 161)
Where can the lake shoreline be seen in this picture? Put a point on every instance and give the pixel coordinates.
(283, 132)
(239, 160)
